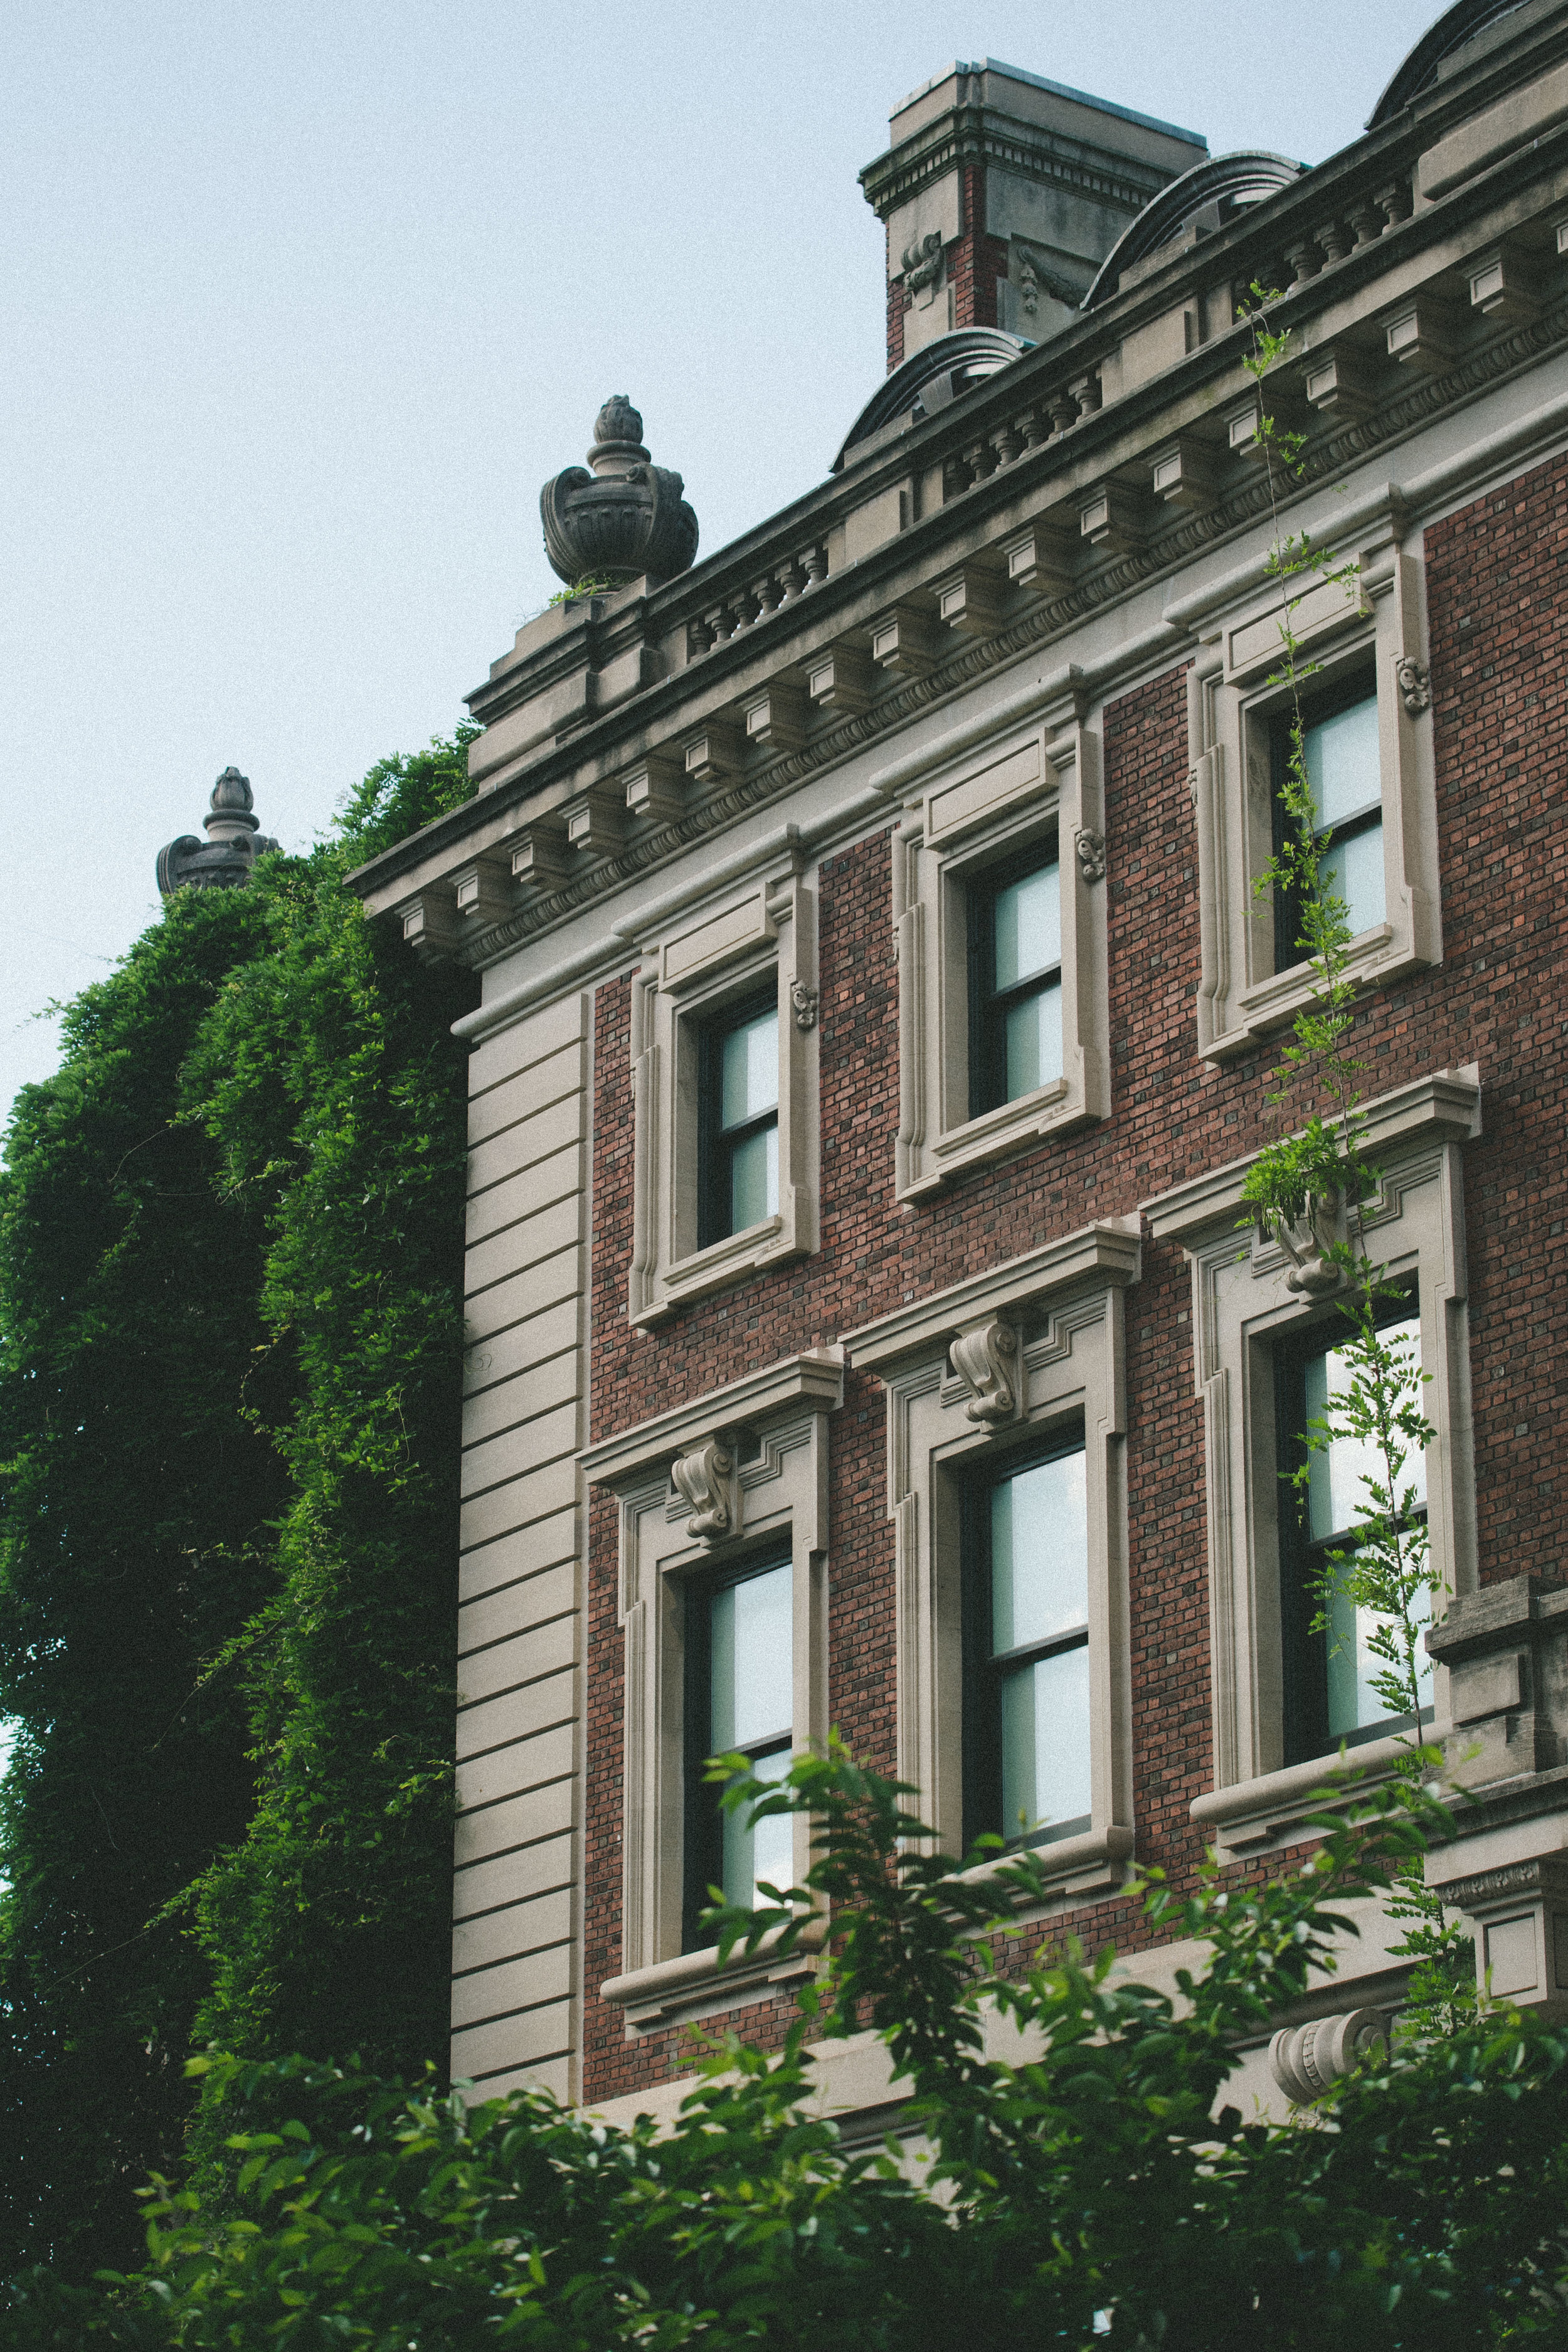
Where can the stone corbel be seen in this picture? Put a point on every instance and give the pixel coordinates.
(1414, 684)
(803, 997)
(1305, 2059)
(1308, 1241)
(985, 1358)
(706, 1479)
(1090, 848)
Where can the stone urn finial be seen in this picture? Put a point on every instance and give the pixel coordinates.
(626, 518)
(223, 862)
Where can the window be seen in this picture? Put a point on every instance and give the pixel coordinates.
(1027, 1681)
(738, 1177)
(1339, 745)
(739, 1695)
(1016, 985)
(1264, 1360)
(999, 889)
(726, 1137)
(1327, 1676)
(1369, 755)
(1007, 1487)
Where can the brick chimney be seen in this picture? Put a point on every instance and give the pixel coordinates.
(1002, 194)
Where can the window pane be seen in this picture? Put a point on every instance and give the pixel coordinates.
(749, 1078)
(755, 1179)
(1039, 1554)
(1337, 1474)
(1045, 1742)
(1028, 929)
(1340, 754)
(1353, 870)
(1032, 1031)
(752, 1666)
(1353, 1702)
(766, 1852)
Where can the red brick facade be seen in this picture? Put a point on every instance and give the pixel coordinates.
(1500, 685)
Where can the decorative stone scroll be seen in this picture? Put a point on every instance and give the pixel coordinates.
(703, 1478)
(804, 1001)
(1306, 2059)
(1414, 684)
(985, 1359)
(1090, 848)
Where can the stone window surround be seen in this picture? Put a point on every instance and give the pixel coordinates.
(1014, 792)
(975, 1375)
(698, 966)
(1230, 706)
(1241, 1300)
(693, 1496)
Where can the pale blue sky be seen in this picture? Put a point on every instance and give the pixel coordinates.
(304, 303)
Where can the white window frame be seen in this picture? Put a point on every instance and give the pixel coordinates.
(708, 1487)
(976, 1377)
(1021, 791)
(1231, 705)
(1244, 1300)
(694, 971)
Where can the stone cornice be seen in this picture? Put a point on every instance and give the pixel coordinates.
(1107, 1253)
(973, 132)
(812, 1382)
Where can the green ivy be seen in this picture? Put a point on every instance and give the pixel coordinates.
(230, 1287)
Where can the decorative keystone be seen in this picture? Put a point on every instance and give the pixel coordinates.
(1307, 1240)
(1306, 2059)
(704, 1479)
(985, 1359)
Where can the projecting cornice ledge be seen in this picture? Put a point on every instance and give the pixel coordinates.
(1443, 1108)
(813, 1383)
(1108, 1254)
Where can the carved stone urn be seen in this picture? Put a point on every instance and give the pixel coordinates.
(626, 518)
(223, 862)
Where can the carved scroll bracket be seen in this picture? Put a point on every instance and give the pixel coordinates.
(1305, 2059)
(1308, 1241)
(705, 1478)
(985, 1359)
(1414, 684)
(1090, 847)
(804, 999)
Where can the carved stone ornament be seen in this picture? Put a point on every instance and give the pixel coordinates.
(1414, 684)
(804, 998)
(985, 1359)
(1028, 286)
(923, 266)
(1306, 2059)
(223, 862)
(1307, 1240)
(1090, 848)
(626, 518)
(702, 1477)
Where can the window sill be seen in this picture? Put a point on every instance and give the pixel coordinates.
(1257, 1816)
(693, 1986)
(731, 1260)
(1074, 1867)
(997, 1134)
(1375, 958)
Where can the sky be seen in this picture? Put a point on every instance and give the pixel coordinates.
(302, 301)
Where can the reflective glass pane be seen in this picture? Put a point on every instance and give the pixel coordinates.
(1340, 756)
(765, 1852)
(1351, 869)
(1045, 1743)
(1039, 1554)
(1337, 1474)
(1032, 1032)
(749, 1076)
(1028, 928)
(751, 1663)
(1354, 1703)
(755, 1179)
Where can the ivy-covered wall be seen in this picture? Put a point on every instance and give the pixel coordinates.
(230, 1294)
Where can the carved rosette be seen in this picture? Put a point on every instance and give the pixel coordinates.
(624, 519)
(985, 1359)
(703, 1478)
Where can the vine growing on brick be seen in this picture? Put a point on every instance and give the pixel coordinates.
(1309, 1190)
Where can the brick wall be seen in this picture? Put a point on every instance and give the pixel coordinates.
(1498, 687)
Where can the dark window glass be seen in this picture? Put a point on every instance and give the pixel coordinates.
(1328, 1675)
(1340, 749)
(738, 1083)
(740, 1686)
(1016, 984)
(1026, 1700)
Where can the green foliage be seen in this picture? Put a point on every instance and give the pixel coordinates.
(591, 584)
(1087, 2188)
(229, 1235)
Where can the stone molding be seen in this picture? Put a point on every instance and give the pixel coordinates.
(812, 1381)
